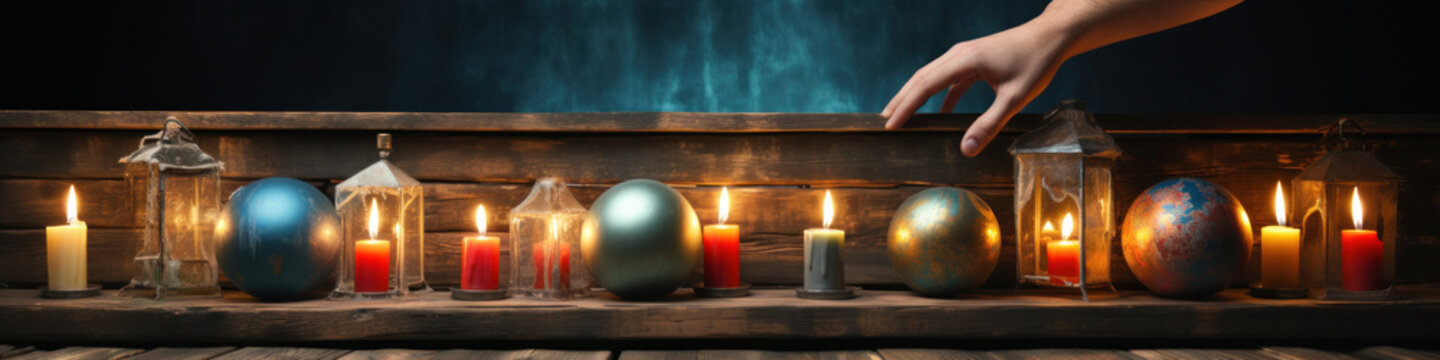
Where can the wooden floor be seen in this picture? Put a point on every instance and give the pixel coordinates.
(229, 353)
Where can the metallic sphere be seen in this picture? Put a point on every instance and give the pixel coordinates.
(641, 239)
(944, 241)
(1186, 238)
(277, 239)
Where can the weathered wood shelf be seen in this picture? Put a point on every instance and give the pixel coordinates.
(769, 314)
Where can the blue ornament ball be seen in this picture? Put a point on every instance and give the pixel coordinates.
(278, 239)
(1186, 238)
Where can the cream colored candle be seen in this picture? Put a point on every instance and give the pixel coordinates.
(65, 250)
(1279, 250)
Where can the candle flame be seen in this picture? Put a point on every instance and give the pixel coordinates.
(1066, 227)
(72, 207)
(1357, 212)
(554, 228)
(374, 220)
(480, 219)
(1048, 227)
(829, 209)
(724, 204)
(1279, 204)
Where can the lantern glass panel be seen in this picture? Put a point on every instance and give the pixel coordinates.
(545, 256)
(1063, 170)
(1334, 266)
(175, 188)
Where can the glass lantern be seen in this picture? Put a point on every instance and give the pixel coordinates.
(1346, 204)
(175, 189)
(382, 223)
(545, 259)
(1063, 200)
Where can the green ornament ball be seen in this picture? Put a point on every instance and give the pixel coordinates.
(641, 240)
(944, 241)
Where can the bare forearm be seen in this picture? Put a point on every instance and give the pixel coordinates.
(1091, 24)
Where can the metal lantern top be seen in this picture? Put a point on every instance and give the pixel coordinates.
(1067, 129)
(383, 172)
(173, 149)
(1347, 163)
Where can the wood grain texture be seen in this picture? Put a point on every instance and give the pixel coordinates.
(82, 353)
(935, 354)
(283, 353)
(1394, 353)
(183, 353)
(14, 351)
(765, 314)
(689, 122)
(1297, 353)
(747, 355)
(1064, 354)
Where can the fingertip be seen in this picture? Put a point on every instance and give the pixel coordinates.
(970, 147)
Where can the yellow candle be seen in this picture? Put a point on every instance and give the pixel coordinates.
(65, 250)
(1279, 250)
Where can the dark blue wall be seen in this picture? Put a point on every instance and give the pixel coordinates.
(718, 55)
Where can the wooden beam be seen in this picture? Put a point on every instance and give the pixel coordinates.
(766, 314)
(693, 122)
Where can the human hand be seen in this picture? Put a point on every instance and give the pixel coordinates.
(1017, 63)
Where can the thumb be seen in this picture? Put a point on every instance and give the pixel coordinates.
(1006, 105)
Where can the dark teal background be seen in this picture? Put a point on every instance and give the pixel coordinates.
(717, 55)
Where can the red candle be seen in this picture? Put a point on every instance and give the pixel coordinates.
(1063, 256)
(1362, 255)
(722, 256)
(372, 266)
(545, 269)
(722, 249)
(480, 263)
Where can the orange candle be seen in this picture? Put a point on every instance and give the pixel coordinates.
(1362, 254)
(722, 249)
(1063, 256)
(480, 263)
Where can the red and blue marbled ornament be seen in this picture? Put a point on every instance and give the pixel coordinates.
(1186, 238)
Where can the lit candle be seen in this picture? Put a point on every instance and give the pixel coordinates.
(65, 249)
(372, 259)
(824, 253)
(1279, 250)
(552, 261)
(1361, 253)
(480, 265)
(1063, 256)
(722, 249)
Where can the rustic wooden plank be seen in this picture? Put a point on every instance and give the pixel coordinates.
(1202, 354)
(747, 355)
(13, 353)
(281, 353)
(460, 354)
(36, 203)
(687, 122)
(1393, 353)
(183, 353)
(389, 354)
(82, 353)
(786, 158)
(110, 259)
(935, 354)
(765, 314)
(1069, 354)
(1298, 353)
